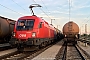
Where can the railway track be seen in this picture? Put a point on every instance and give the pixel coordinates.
(28, 55)
(71, 52)
(62, 52)
(5, 46)
(74, 53)
(67, 52)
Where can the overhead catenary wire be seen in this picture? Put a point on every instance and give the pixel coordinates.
(11, 9)
(45, 6)
(19, 5)
(88, 20)
(83, 23)
(85, 19)
(42, 10)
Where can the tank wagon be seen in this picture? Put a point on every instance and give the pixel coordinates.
(71, 32)
(6, 29)
(59, 35)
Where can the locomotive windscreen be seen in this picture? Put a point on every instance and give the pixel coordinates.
(25, 24)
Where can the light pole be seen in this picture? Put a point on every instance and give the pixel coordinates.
(51, 21)
(85, 28)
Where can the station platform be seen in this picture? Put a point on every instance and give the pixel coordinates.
(50, 53)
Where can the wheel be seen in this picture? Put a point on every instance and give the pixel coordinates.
(20, 49)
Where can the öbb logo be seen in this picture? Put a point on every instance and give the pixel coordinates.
(22, 35)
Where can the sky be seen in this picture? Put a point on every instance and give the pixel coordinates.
(57, 10)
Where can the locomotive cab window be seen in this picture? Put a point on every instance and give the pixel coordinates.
(40, 25)
(22, 23)
(25, 24)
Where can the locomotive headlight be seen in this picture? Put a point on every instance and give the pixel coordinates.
(65, 35)
(33, 34)
(13, 34)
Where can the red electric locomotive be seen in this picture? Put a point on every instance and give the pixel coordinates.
(32, 31)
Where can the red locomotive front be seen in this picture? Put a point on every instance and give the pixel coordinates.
(24, 28)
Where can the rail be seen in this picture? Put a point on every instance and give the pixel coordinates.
(79, 53)
(69, 51)
(62, 52)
